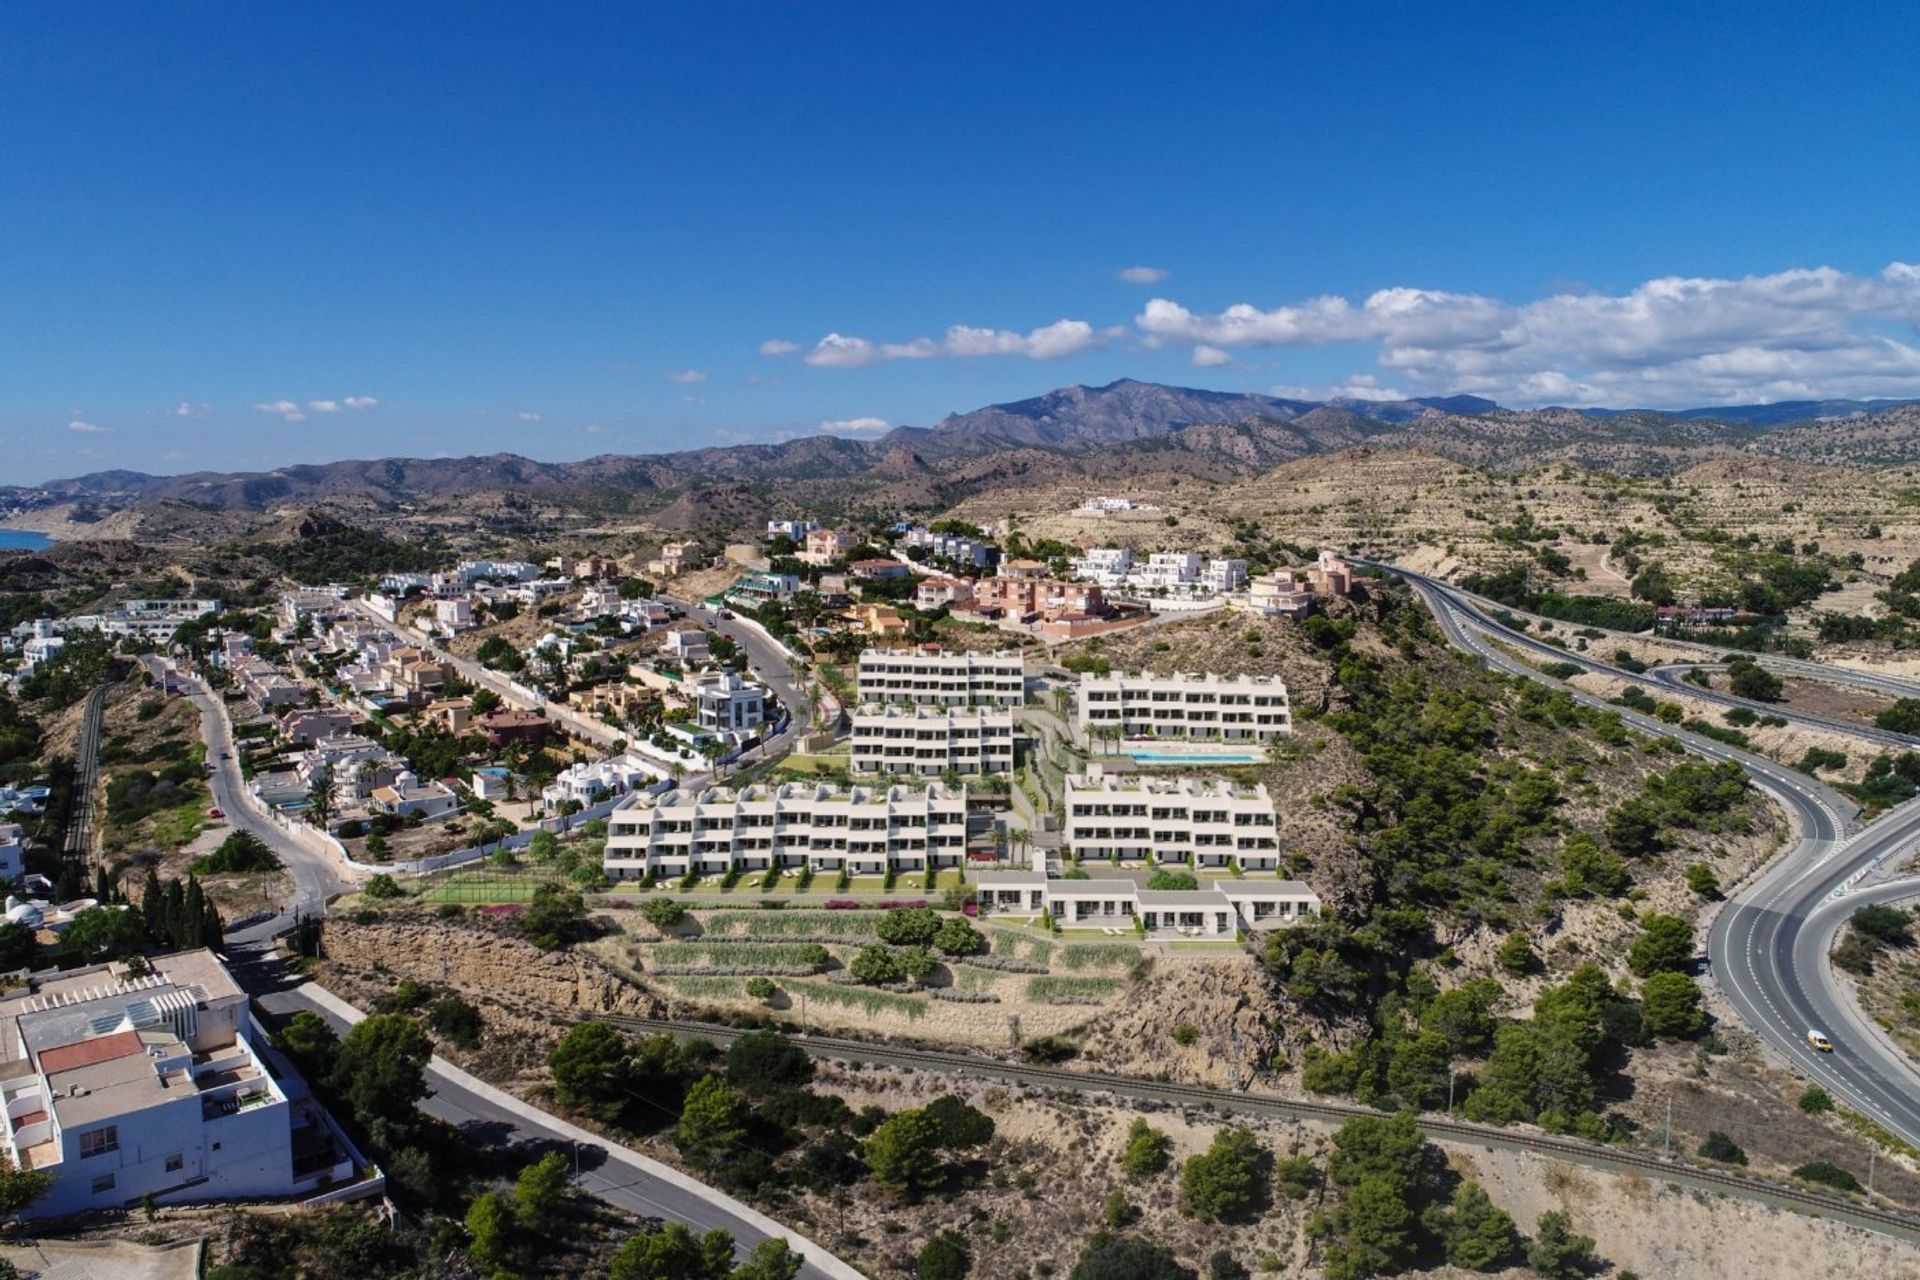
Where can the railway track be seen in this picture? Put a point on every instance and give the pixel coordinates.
(1593, 1155)
(86, 771)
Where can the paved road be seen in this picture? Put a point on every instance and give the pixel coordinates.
(606, 1172)
(768, 663)
(316, 877)
(1673, 676)
(1768, 946)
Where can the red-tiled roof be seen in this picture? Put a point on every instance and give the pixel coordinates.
(84, 1053)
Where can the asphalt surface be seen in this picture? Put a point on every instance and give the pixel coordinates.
(1673, 676)
(484, 1120)
(1768, 946)
(316, 878)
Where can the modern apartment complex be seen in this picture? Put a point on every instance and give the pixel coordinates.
(1225, 708)
(931, 740)
(122, 1087)
(1219, 910)
(867, 830)
(1153, 819)
(929, 677)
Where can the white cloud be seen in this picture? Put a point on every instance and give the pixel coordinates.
(1206, 357)
(594, 429)
(778, 347)
(693, 399)
(86, 428)
(856, 426)
(323, 406)
(527, 415)
(287, 409)
(1049, 342)
(1362, 386)
(359, 404)
(687, 376)
(1668, 342)
(1142, 275)
(186, 409)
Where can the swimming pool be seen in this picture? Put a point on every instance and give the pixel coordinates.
(1194, 757)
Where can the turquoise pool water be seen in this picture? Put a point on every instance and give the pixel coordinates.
(1192, 757)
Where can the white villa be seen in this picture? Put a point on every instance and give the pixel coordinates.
(123, 1087)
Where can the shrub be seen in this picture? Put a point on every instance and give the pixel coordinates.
(1146, 1152)
(1719, 1146)
(1828, 1174)
(945, 1257)
(1702, 880)
(1516, 955)
(1814, 1100)
(1228, 1180)
(662, 913)
(761, 988)
(1186, 1034)
(380, 886)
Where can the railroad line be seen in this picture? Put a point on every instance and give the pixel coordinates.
(1593, 1155)
(86, 772)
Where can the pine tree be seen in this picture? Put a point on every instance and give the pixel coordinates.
(153, 905)
(173, 914)
(193, 917)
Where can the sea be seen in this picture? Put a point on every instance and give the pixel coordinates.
(23, 540)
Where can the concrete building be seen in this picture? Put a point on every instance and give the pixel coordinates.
(1220, 910)
(1153, 819)
(757, 590)
(687, 646)
(122, 1087)
(865, 830)
(1220, 708)
(797, 530)
(453, 615)
(299, 727)
(931, 677)
(408, 796)
(724, 702)
(941, 592)
(929, 741)
(824, 546)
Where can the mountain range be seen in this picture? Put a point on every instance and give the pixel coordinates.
(1122, 430)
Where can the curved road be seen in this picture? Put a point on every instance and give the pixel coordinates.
(1673, 676)
(1768, 946)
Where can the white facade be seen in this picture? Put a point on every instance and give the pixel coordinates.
(1154, 819)
(589, 783)
(1219, 708)
(1170, 573)
(864, 829)
(726, 703)
(1219, 910)
(794, 529)
(930, 741)
(930, 678)
(122, 1087)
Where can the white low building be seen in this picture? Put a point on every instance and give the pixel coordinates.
(123, 1087)
(1184, 706)
(1153, 819)
(590, 782)
(930, 741)
(932, 677)
(1222, 909)
(866, 830)
(726, 703)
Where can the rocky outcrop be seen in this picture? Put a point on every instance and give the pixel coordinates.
(1237, 1021)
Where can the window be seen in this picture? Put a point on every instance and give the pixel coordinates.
(98, 1142)
(103, 1183)
(176, 1163)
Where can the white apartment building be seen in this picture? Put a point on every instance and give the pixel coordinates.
(1175, 573)
(1184, 705)
(929, 677)
(1148, 819)
(1219, 910)
(472, 571)
(122, 1087)
(931, 741)
(794, 529)
(863, 829)
(725, 702)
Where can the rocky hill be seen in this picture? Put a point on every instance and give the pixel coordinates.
(1126, 431)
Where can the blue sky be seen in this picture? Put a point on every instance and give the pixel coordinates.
(235, 236)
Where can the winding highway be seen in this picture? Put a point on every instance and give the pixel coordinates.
(1768, 946)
